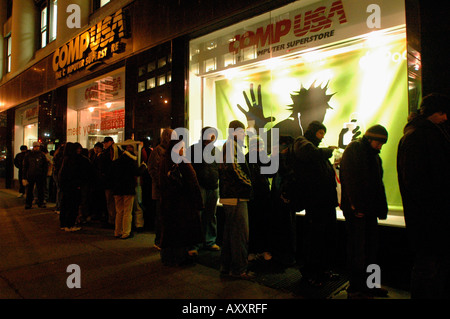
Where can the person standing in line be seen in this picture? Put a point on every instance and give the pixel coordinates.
(260, 206)
(235, 190)
(109, 154)
(97, 199)
(35, 167)
(58, 158)
(124, 172)
(18, 162)
(181, 202)
(48, 177)
(153, 166)
(423, 167)
(208, 179)
(363, 202)
(317, 181)
(70, 179)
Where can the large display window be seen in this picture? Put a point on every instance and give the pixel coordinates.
(26, 128)
(96, 109)
(310, 60)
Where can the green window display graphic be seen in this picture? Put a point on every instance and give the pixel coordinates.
(365, 81)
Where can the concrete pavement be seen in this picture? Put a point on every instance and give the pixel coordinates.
(36, 259)
(36, 254)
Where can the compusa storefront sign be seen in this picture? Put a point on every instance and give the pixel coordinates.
(318, 19)
(93, 45)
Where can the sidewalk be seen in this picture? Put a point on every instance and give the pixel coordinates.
(35, 255)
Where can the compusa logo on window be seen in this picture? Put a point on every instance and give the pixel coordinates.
(315, 20)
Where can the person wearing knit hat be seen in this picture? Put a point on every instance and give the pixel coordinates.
(423, 159)
(315, 190)
(363, 202)
(377, 133)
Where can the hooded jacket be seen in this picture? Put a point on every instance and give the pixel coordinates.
(124, 172)
(35, 165)
(314, 173)
(234, 174)
(154, 162)
(361, 174)
(423, 167)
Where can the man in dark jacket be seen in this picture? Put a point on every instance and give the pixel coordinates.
(363, 201)
(423, 166)
(317, 181)
(109, 154)
(235, 189)
(124, 172)
(208, 178)
(35, 168)
(18, 162)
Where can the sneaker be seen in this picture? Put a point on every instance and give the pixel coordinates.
(267, 256)
(358, 295)
(57, 212)
(72, 229)
(193, 252)
(377, 292)
(20, 195)
(126, 236)
(214, 247)
(248, 275)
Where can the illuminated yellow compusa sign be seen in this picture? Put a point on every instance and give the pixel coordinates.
(93, 45)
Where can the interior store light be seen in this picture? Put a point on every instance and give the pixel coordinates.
(91, 109)
(108, 105)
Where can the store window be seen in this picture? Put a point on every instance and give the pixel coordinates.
(280, 70)
(96, 109)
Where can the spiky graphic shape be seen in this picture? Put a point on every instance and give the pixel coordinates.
(308, 105)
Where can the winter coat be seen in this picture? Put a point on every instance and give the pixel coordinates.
(315, 176)
(361, 176)
(181, 201)
(35, 166)
(234, 177)
(107, 156)
(124, 172)
(207, 173)
(18, 160)
(423, 167)
(74, 173)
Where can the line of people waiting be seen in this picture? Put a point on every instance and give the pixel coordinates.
(259, 210)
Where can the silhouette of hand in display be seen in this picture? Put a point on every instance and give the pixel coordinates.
(255, 112)
(356, 132)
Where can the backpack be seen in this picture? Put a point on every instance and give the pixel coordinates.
(290, 182)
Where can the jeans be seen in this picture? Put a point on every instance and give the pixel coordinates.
(430, 276)
(40, 185)
(208, 216)
(362, 248)
(234, 252)
(58, 193)
(110, 206)
(320, 240)
(70, 202)
(124, 214)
